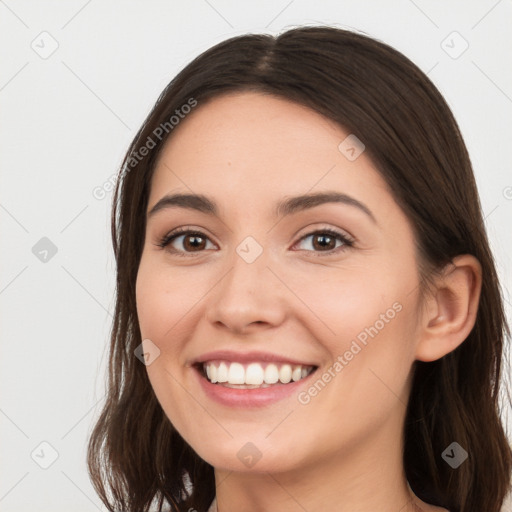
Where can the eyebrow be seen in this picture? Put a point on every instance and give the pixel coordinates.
(289, 206)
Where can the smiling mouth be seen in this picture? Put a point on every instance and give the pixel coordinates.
(254, 375)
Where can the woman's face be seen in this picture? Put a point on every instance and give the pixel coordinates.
(260, 293)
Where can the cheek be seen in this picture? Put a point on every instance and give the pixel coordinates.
(343, 302)
(372, 359)
(163, 301)
(165, 298)
(365, 318)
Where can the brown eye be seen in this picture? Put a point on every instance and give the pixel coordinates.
(193, 242)
(184, 241)
(327, 241)
(322, 242)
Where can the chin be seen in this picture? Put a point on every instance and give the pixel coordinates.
(248, 459)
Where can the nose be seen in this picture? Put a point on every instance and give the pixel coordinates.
(249, 297)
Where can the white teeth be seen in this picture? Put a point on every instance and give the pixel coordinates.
(297, 373)
(222, 372)
(254, 374)
(236, 374)
(213, 373)
(271, 374)
(285, 373)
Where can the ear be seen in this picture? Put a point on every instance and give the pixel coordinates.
(450, 312)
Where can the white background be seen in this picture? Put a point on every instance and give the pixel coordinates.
(66, 122)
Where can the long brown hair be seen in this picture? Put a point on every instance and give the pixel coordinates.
(136, 458)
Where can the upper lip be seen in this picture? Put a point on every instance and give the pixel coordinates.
(248, 357)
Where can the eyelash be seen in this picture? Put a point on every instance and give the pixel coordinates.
(167, 239)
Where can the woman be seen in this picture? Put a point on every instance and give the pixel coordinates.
(308, 314)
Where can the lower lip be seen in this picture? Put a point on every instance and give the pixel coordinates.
(256, 397)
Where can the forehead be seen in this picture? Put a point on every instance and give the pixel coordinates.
(260, 124)
(251, 146)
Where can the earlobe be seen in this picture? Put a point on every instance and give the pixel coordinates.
(451, 310)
